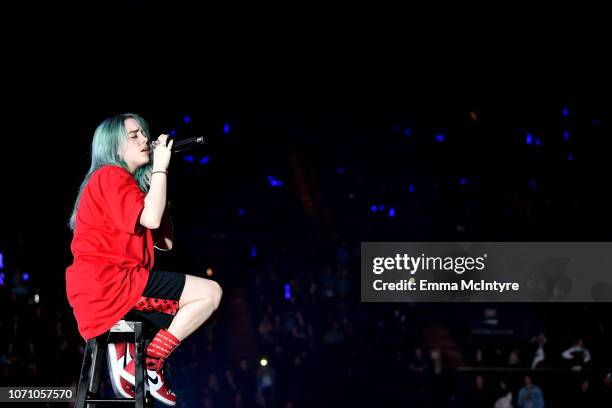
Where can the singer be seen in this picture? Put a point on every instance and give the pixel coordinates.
(119, 217)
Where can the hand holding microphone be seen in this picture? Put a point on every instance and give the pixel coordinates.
(162, 150)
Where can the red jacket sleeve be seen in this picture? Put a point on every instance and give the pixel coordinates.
(122, 197)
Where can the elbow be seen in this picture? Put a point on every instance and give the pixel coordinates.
(150, 225)
(149, 222)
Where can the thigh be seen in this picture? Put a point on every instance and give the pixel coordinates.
(197, 288)
(160, 300)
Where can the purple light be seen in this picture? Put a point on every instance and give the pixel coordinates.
(381, 207)
(463, 181)
(1, 278)
(533, 184)
(570, 157)
(204, 160)
(565, 112)
(538, 141)
(408, 132)
(529, 138)
(188, 158)
(566, 135)
(374, 208)
(340, 170)
(226, 128)
(411, 188)
(391, 212)
(186, 119)
(25, 276)
(241, 212)
(172, 133)
(253, 251)
(440, 138)
(1, 261)
(287, 291)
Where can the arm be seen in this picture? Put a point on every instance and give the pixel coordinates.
(155, 201)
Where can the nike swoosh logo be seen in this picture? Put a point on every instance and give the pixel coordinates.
(151, 380)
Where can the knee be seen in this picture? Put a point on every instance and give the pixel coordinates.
(216, 293)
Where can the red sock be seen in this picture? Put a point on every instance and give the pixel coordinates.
(160, 348)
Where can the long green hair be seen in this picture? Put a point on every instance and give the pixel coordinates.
(107, 141)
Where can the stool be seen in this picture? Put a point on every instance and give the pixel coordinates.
(95, 352)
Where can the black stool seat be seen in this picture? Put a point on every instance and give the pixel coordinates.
(93, 360)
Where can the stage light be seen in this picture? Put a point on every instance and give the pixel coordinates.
(1, 278)
(565, 112)
(411, 188)
(340, 170)
(274, 182)
(241, 212)
(566, 134)
(186, 119)
(36, 298)
(287, 291)
(226, 128)
(408, 132)
(391, 212)
(204, 160)
(25, 276)
(570, 157)
(529, 139)
(253, 251)
(463, 181)
(1, 261)
(538, 141)
(381, 208)
(188, 158)
(263, 362)
(172, 133)
(209, 272)
(374, 208)
(440, 138)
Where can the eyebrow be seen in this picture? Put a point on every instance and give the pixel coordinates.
(132, 131)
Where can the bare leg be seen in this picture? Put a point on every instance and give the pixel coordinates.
(200, 298)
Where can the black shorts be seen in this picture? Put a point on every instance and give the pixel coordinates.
(160, 300)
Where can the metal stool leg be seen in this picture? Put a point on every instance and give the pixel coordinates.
(85, 374)
(99, 357)
(140, 385)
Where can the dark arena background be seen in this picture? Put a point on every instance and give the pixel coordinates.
(275, 206)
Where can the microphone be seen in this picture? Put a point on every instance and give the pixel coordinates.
(180, 145)
(185, 144)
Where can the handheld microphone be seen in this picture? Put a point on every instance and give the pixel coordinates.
(180, 145)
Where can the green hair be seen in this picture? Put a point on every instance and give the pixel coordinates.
(107, 141)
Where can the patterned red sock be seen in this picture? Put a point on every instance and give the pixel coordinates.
(160, 348)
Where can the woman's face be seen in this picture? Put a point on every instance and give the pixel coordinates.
(135, 150)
